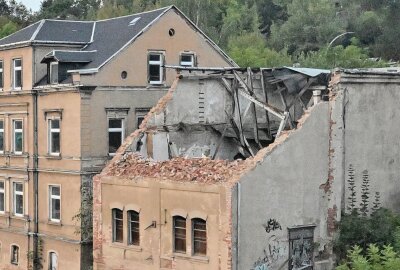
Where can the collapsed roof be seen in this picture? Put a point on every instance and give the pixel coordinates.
(217, 115)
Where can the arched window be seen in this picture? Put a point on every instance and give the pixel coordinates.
(53, 261)
(133, 228)
(179, 234)
(199, 234)
(14, 254)
(118, 227)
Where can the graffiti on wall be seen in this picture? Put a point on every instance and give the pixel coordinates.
(275, 250)
(301, 248)
(272, 225)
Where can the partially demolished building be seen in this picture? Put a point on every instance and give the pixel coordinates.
(245, 169)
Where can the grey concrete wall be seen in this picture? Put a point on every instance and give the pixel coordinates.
(372, 133)
(284, 187)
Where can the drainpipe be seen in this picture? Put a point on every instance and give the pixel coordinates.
(36, 263)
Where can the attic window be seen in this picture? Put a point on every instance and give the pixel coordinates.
(134, 21)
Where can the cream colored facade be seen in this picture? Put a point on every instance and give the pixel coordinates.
(157, 202)
(83, 109)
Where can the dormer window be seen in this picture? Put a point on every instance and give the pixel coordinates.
(53, 73)
(17, 74)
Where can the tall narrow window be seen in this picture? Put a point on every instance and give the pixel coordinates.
(1, 75)
(54, 136)
(14, 254)
(155, 68)
(18, 200)
(133, 227)
(1, 136)
(53, 72)
(115, 135)
(199, 234)
(118, 227)
(2, 197)
(53, 261)
(54, 203)
(187, 60)
(17, 74)
(179, 234)
(17, 136)
(140, 115)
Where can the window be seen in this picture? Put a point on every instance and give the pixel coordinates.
(1, 75)
(17, 74)
(115, 134)
(55, 203)
(53, 73)
(187, 60)
(17, 136)
(140, 115)
(53, 261)
(118, 220)
(54, 136)
(2, 197)
(133, 227)
(301, 247)
(18, 199)
(199, 234)
(179, 234)
(14, 254)
(1, 136)
(156, 72)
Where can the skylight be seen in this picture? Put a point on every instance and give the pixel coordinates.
(134, 21)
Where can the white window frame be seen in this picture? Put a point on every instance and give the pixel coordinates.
(160, 63)
(53, 267)
(3, 191)
(51, 198)
(19, 193)
(50, 132)
(121, 129)
(2, 131)
(13, 138)
(51, 72)
(15, 69)
(187, 63)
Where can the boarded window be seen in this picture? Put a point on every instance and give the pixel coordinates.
(179, 234)
(53, 73)
(199, 227)
(118, 227)
(133, 224)
(301, 243)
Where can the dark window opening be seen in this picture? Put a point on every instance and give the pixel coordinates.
(199, 228)
(115, 135)
(14, 254)
(179, 234)
(134, 235)
(118, 230)
(171, 32)
(155, 68)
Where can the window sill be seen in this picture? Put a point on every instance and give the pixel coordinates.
(183, 256)
(12, 154)
(125, 247)
(53, 156)
(54, 223)
(19, 217)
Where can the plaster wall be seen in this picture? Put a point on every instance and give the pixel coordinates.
(284, 187)
(371, 138)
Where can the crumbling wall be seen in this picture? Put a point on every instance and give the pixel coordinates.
(281, 192)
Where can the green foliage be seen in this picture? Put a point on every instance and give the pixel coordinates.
(364, 205)
(374, 259)
(250, 50)
(352, 200)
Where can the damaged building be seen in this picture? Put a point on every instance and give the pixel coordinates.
(246, 169)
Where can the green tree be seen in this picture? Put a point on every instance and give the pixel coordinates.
(249, 50)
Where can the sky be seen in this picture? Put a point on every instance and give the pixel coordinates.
(32, 4)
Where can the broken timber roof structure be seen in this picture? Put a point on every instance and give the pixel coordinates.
(226, 113)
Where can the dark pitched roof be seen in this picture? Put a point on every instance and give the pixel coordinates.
(70, 56)
(65, 31)
(112, 35)
(103, 39)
